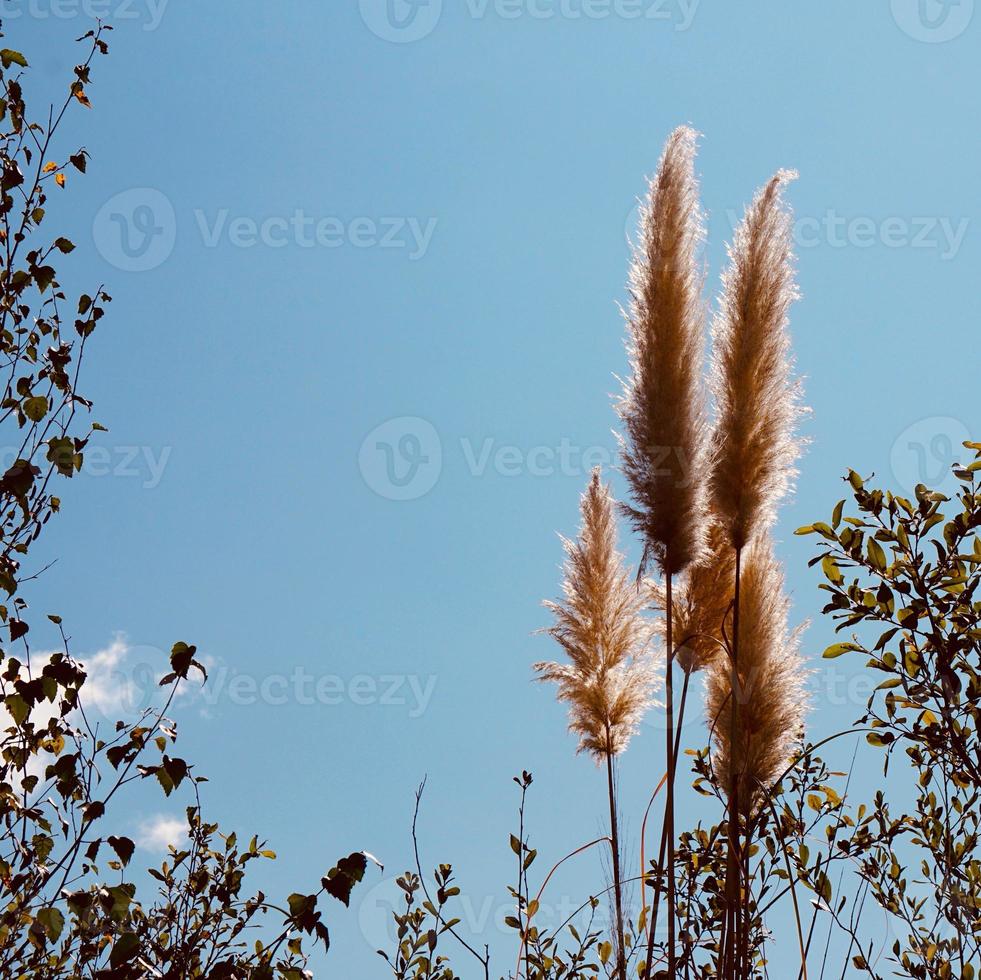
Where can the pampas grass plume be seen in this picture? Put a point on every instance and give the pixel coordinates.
(609, 679)
(770, 687)
(757, 402)
(661, 408)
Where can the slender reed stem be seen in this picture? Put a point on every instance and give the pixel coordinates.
(676, 747)
(617, 886)
(643, 847)
(541, 891)
(669, 805)
(656, 903)
(733, 904)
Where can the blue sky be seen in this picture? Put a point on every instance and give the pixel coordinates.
(366, 274)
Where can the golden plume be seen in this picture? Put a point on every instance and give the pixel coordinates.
(702, 604)
(664, 445)
(757, 403)
(610, 678)
(769, 689)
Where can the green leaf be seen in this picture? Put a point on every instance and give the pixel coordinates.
(832, 571)
(44, 276)
(837, 649)
(53, 921)
(340, 881)
(123, 847)
(36, 408)
(876, 555)
(125, 949)
(61, 452)
(10, 57)
(64, 245)
(17, 707)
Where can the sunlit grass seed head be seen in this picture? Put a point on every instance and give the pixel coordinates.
(664, 446)
(610, 677)
(757, 401)
(771, 684)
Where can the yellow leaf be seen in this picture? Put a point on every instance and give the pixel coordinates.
(49, 166)
(60, 180)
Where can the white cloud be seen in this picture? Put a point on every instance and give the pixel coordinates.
(117, 686)
(157, 833)
(123, 681)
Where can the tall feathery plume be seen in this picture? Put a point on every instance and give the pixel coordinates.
(664, 449)
(755, 444)
(702, 602)
(610, 679)
(665, 458)
(757, 401)
(771, 677)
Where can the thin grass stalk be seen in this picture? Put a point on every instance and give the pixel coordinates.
(643, 852)
(655, 907)
(656, 903)
(541, 891)
(669, 806)
(733, 906)
(680, 726)
(617, 884)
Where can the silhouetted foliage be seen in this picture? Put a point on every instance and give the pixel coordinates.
(69, 902)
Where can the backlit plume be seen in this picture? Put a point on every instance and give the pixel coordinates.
(609, 679)
(770, 692)
(664, 444)
(757, 402)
